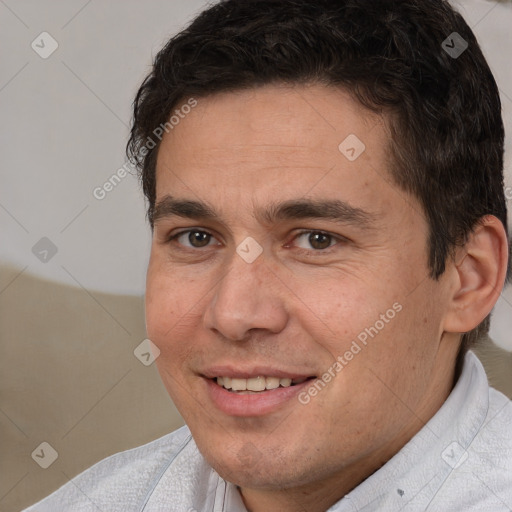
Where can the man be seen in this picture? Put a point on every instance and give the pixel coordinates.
(325, 189)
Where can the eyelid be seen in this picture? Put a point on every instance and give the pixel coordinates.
(173, 236)
(327, 250)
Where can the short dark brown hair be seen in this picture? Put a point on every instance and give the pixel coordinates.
(393, 56)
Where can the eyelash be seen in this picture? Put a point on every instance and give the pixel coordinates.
(338, 239)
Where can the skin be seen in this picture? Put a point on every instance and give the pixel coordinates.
(299, 306)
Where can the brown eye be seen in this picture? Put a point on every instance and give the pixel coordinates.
(316, 240)
(192, 239)
(198, 238)
(319, 240)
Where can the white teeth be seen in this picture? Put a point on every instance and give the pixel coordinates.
(224, 382)
(254, 384)
(271, 382)
(238, 384)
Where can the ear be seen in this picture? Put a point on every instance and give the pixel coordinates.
(479, 271)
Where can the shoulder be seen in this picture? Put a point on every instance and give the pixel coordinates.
(120, 482)
(495, 435)
(494, 438)
(482, 478)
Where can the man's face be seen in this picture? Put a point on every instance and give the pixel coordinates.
(263, 284)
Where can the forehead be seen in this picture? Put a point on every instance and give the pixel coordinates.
(278, 140)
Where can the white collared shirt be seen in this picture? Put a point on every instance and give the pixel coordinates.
(460, 461)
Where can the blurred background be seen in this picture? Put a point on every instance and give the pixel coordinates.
(74, 251)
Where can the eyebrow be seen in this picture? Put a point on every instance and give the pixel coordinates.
(335, 210)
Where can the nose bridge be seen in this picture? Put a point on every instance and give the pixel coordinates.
(245, 298)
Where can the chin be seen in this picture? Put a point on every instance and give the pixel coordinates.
(255, 478)
(249, 467)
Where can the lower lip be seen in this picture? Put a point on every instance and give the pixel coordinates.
(254, 404)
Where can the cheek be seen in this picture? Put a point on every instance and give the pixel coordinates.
(168, 311)
(335, 314)
(167, 328)
(161, 309)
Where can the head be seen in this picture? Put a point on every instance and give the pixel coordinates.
(352, 121)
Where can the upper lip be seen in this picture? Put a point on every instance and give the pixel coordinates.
(251, 372)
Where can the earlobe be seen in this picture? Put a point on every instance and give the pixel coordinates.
(479, 271)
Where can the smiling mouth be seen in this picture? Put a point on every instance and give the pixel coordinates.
(256, 385)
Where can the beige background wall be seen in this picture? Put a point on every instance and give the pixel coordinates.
(69, 377)
(70, 321)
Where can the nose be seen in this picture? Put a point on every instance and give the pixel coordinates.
(246, 298)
